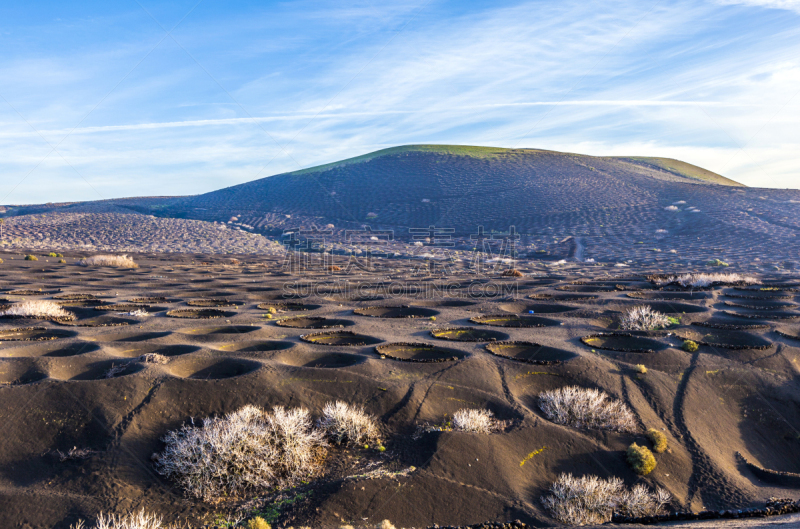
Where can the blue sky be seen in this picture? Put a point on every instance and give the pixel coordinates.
(110, 99)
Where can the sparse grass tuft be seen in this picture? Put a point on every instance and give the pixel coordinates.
(643, 318)
(344, 423)
(641, 459)
(658, 439)
(245, 452)
(118, 261)
(586, 408)
(39, 309)
(474, 421)
(690, 346)
(592, 500)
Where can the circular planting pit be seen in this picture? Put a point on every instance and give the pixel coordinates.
(220, 303)
(135, 350)
(82, 303)
(257, 347)
(529, 353)
(227, 329)
(726, 339)
(514, 320)
(131, 336)
(108, 369)
(343, 338)
(623, 342)
(396, 312)
(199, 314)
(765, 315)
(28, 293)
(755, 294)
(214, 369)
(468, 334)
(793, 334)
(288, 306)
(537, 308)
(75, 296)
(669, 296)
(321, 360)
(666, 307)
(443, 303)
(53, 350)
(32, 334)
(562, 297)
(730, 324)
(588, 288)
(148, 300)
(418, 352)
(100, 321)
(19, 372)
(314, 322)
(761, 305)
(127, 307)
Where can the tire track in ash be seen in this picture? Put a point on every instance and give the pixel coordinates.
(704, 472)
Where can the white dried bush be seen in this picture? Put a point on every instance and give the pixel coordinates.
(139, 520)
(706, 280)
(643, 318)
(40, 308)
(344, 423)
(153, 358)
(249, 451)
(475, 421)
(119, 261)
(671, 208)
(592, 500)
(586, 408)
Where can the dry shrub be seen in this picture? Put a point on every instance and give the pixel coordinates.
(386, 524)
(334, 268)
(658, 439)
(118, 261)
(140, 520)
(249, 451)
(258, 523)
(474, 421)
(641, 459)
(643, 318)
(41, 309)
(592, 500)
(153, 358)
(706, 280)
(512, 273)
(586, 408)
(344, 423)
(640, 368)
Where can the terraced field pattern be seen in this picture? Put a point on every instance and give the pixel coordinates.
(85, 387)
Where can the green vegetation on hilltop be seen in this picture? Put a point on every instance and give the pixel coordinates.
(680, 168)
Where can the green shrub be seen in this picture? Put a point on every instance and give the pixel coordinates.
(62, 261)
(641, 459)
(658, 439)
(717, 262)
(690, 346)
(31, 258)
(257, 523)
(1, 261)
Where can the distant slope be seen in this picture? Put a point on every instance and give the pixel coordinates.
(682, 169)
